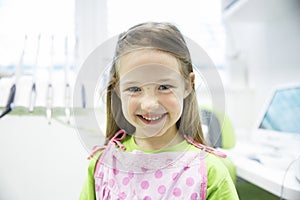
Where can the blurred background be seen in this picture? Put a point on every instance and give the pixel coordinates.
(254, 45)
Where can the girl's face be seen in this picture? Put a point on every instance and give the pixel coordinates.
(151, 89)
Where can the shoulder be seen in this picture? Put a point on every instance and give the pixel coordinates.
(215, 166)
(93, 160)
(220, 184)
(88, 189)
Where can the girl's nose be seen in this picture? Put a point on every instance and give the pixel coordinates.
(149, 103)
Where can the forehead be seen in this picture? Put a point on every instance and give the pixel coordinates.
(149, 65)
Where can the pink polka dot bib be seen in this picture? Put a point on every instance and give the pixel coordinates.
(149, 176)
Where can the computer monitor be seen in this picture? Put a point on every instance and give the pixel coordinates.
(277, 131)
(279, 123)
(283, 111)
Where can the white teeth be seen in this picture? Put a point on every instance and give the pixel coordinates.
(152, 118)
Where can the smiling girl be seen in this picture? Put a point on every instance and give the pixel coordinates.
(154, 145)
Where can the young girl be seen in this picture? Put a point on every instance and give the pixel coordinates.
(154, 145)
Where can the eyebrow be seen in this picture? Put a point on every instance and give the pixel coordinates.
(165, 80)
(131, 83)
(137, 82)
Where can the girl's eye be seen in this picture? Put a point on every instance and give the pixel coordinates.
(134, 89)
(164, 87)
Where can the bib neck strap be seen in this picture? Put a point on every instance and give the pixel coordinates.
(205, 148)
(120, 135)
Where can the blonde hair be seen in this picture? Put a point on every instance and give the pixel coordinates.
(163, 37)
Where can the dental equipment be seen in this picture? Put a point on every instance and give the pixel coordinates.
(49, 98)
(67, 85)
(33, 92)
(10, 102)
(11, 98)
(49, 102)
(83, 96)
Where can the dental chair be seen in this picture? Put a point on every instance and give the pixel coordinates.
(219, 133)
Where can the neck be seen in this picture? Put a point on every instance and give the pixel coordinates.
(158, 142)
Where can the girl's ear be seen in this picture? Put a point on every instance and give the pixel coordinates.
(189, 84)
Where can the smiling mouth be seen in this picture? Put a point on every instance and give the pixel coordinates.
(151, 119)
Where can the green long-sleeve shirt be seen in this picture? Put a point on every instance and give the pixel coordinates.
(219, 186)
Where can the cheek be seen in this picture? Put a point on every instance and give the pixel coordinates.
(129, 105)
(174, 103)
